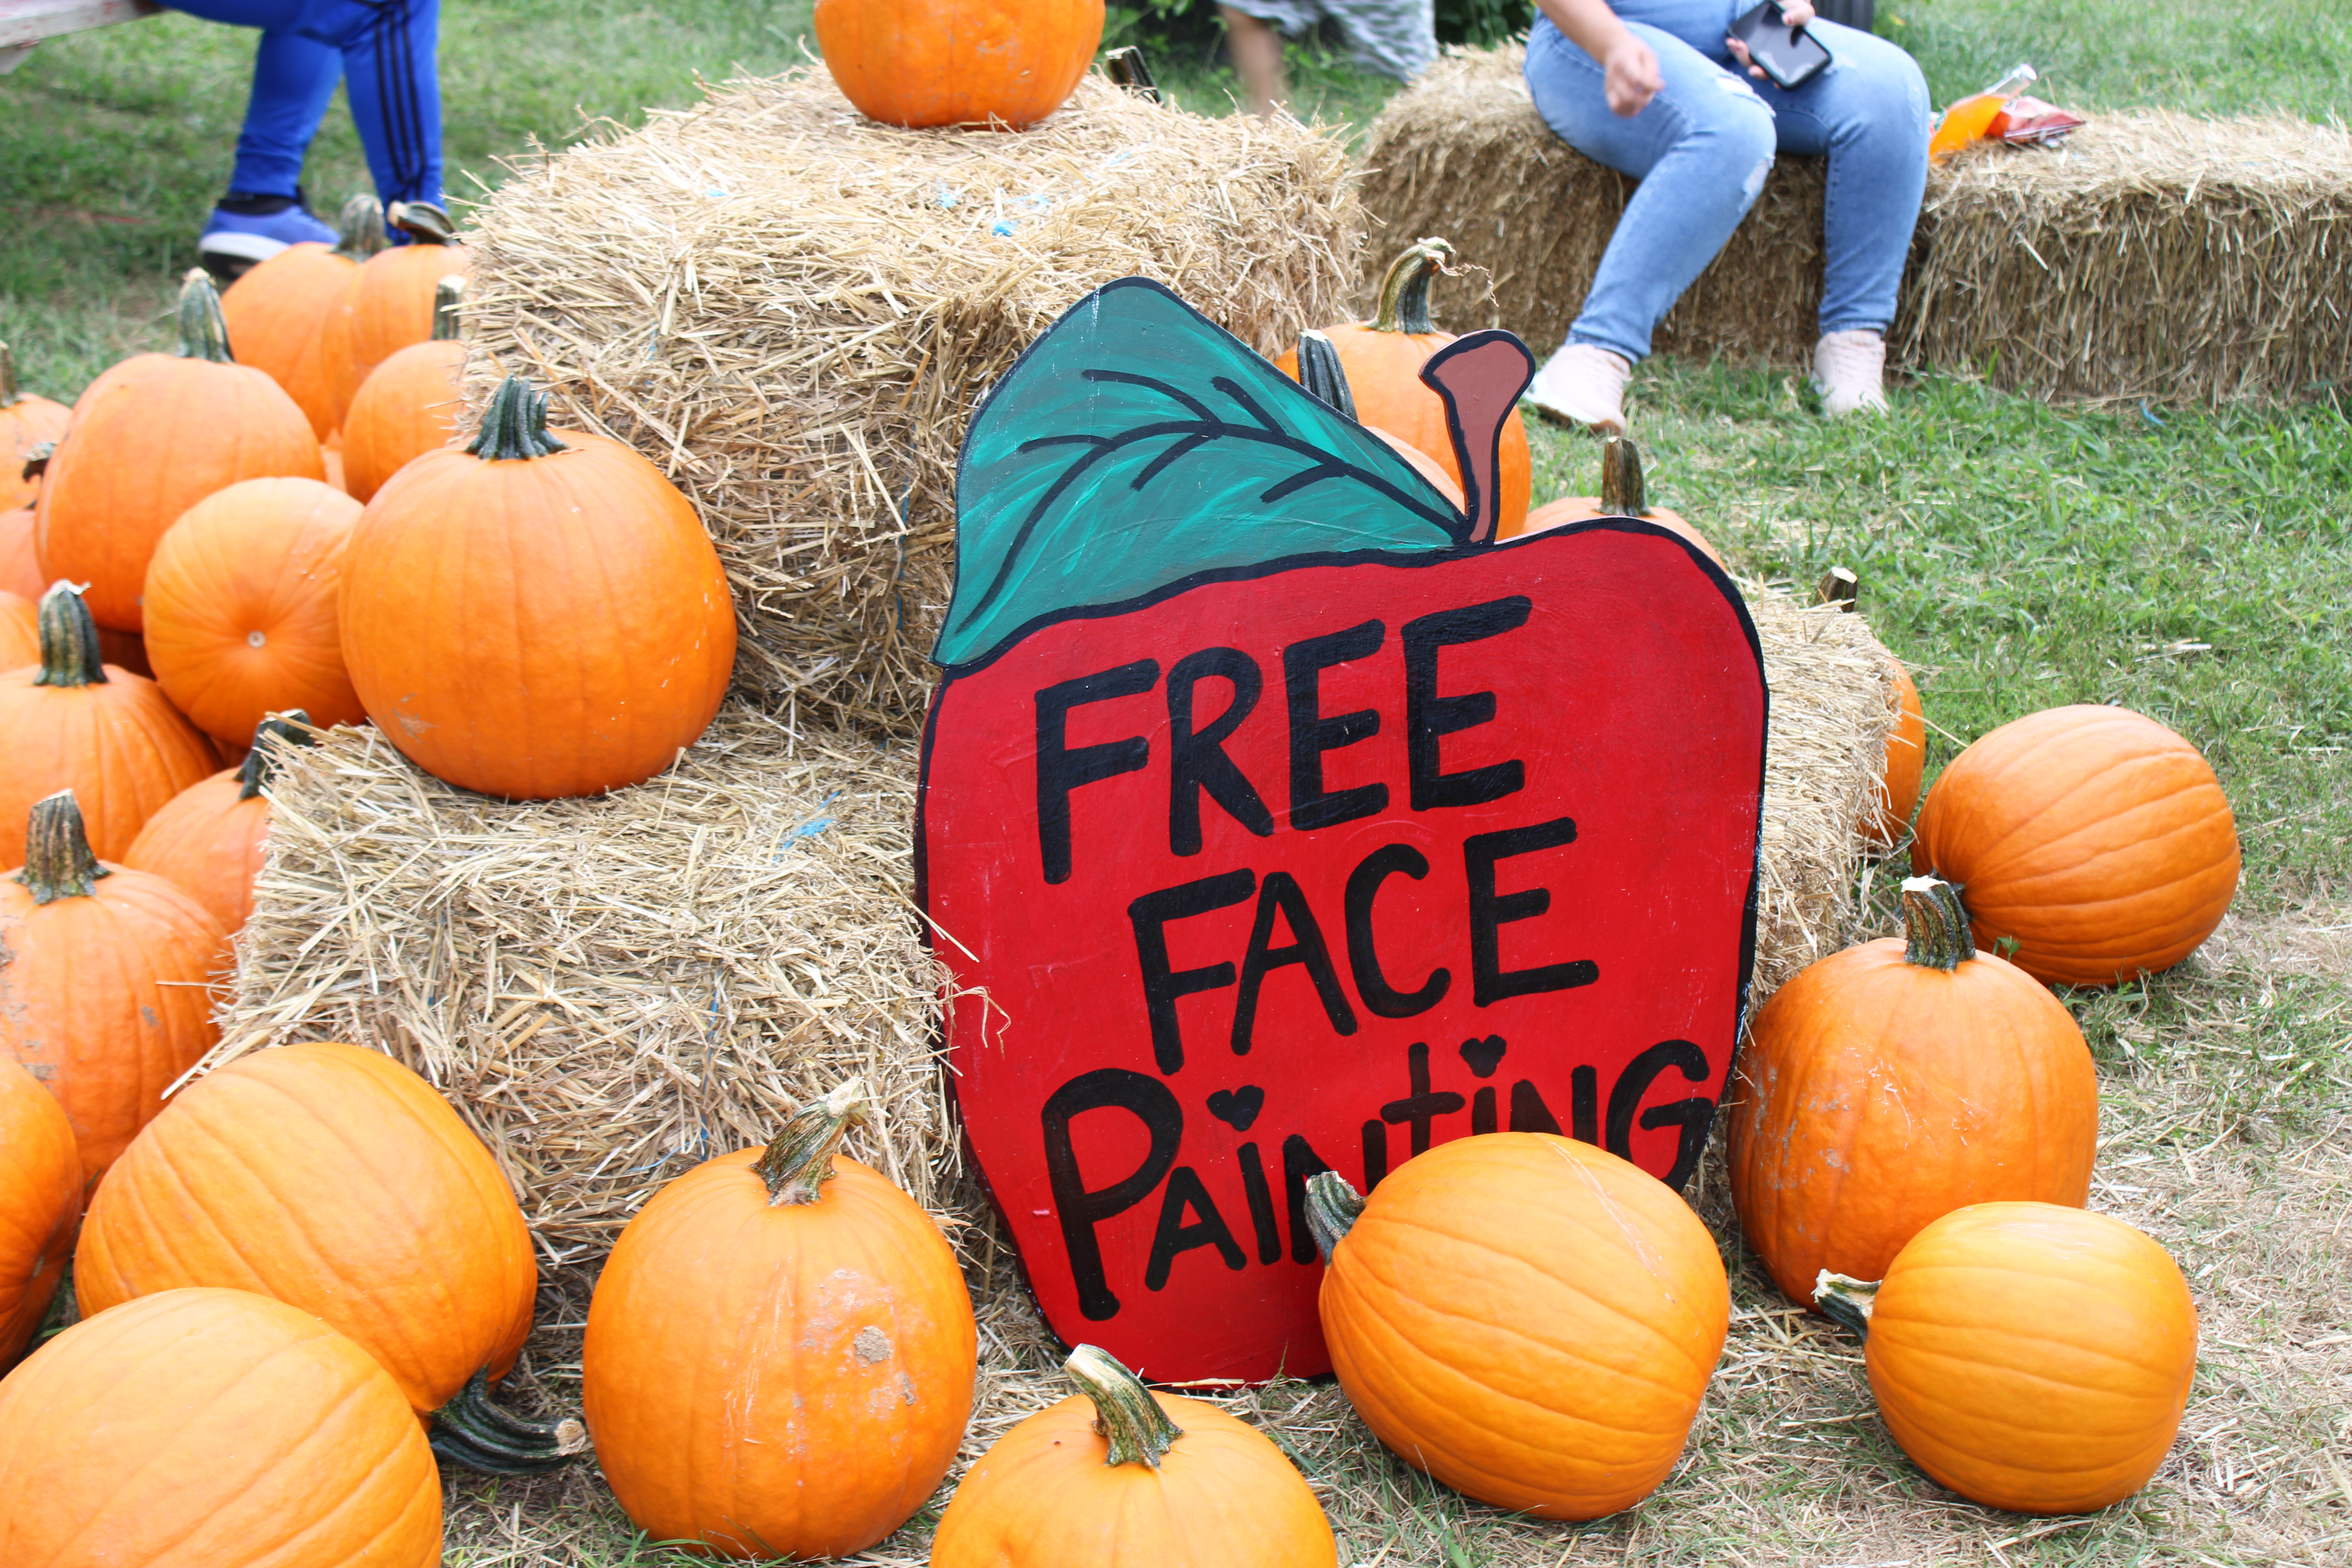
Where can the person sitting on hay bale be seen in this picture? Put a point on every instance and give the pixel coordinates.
(1395, 37)
(1655, 88)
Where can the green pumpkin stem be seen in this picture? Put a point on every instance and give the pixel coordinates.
(422, 222)
(359, 229)
(204, 331)
(1845, 1300)
(1404, 293)
(473, 1432)
(259, 770)
(800, 1162)
(58, 861)
(1321, 373)
(37, 459)
(514, 425)
(1936, 933)
(1623, 493)
(9, 393)
(448, 295)
(69, 655)
(1131, 1420)
(1332, 1208)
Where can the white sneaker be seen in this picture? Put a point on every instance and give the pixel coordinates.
(1850, 371)
(1583, 384)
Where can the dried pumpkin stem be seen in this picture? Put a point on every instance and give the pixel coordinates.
(448, 295)
(1842, 586)
(9, 393)
(514, 425)
(422, 222)
(1332, 1207)
(473, 1432)
(1404, 293)
(1138, 1431)
(58, 860)
(1936, 933)
(1845, 1300)
(291, 728)
(69, 655)
(37, 459)
(203, 331)
(359, 229)
(1128, 68)
(1321, 373)
(800, 1162)
(1623, 493)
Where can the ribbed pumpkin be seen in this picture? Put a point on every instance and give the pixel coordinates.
(1530, 1319)
(20, 631)
(390, 304)
(208, 840)
(242, 606)
(2095, 839)
(408, 405)
(1119, 1474)
(276, 312)
(75, 723)
(781, 1352)
(1892, 1083)
(958, 62)
(532, 617)
(1622, 494)
(2029, 1356)
(150, 438)
(1383, 358)
(26, 424)
(1907, 762)
(212, 1429)
(40, 1199)
(102, 982)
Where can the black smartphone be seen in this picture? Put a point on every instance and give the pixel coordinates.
(1790, 56)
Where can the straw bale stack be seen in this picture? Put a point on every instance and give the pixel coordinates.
(792, 309)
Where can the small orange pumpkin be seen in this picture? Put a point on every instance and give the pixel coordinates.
(958, 62)
(408, 405)
(2094, 841)
(781, 1352)
(150, 438)
(208, 840)
(1889, 1084)
(389, 305)
(20, 562)
(26, 425)
(276, 312)
(242, 606)
(1530, 1319)
(2029, 1356)
(212, 1429)
(20, 631)
(103, 990)
(1907, 762)
(40, 1199)
(1622, 494)
(1122, 1474)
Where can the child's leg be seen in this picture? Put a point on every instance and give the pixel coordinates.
(1256, 48)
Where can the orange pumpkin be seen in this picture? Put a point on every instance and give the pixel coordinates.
(1120, 1474)
(212, 1429)
(2093, 839)
(1530, 1319)
(242, 606)
(1889, 1084)
(20, 564)
(150, 438)
(532, 617)
(103, 990)
(74, 723)
(958, 62)
(276, 312)
(26, 424)
(1906, 761)
(390, 304)
(208, 839)
(1383, 358)
(40, 1199)
(408, 405)
(2029, 1356)
(20, 631)
(781, 1352)
(1622, 494)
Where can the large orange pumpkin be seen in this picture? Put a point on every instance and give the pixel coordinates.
(389, 305)
(26, 424)
(150, 438)
(2095, 840)
(1118, 1474)
(1383, 358)
(208, 840)
(2029, 1356)
(242, 600)
(532, 617)
(1889, 1084)
(75, 723)
(1907, 762)
(102, 982)
(212, 1429)
(276, 312)
(408, 405)
(958, 62)
(1529, 1319)
(1622, 494)
(781, 1352)
(40, 1199)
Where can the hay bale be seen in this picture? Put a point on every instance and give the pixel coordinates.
(792, 309)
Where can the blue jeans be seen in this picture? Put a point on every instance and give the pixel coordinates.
(1701, 150)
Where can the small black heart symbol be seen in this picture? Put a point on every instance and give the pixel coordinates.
(1238, 1106)
(1484, 1055)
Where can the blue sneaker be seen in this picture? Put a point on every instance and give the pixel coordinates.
(246, 229)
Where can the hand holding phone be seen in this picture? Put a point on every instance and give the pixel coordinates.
(1771, 40)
